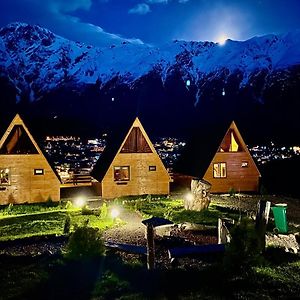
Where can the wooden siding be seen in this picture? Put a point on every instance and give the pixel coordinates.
(142, 181)
(242, 179)
(24, 185)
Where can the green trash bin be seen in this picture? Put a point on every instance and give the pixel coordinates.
(279, 212)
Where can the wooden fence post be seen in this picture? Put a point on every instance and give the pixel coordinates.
(262, 216)
(150, 247)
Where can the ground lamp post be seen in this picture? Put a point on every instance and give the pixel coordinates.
(150, 234)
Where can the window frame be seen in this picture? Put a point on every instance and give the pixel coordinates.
(120, 168)
(9, 177)
(219, 164)
(245, 164)
(36, 172)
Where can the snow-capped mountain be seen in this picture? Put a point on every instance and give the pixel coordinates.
(37, 65)
(37, 61)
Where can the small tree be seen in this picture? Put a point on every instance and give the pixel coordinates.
(85, 243)
(244, 249)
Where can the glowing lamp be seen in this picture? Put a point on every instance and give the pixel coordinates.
(189, 197)
(80, 201)
(114, 212)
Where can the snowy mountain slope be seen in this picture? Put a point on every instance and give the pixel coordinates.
(37, 61)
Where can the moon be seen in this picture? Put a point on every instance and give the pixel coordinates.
(221, 39)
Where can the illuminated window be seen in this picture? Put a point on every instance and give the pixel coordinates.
(220, 170)
(152, 168)
(244, 164)
(121, 173)
(231, 143)
(5, 176)
(38, 171)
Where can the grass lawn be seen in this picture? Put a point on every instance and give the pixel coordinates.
(116, 278)
(173, 209)
(21, 221)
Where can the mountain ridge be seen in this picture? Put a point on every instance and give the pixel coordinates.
(199, 83)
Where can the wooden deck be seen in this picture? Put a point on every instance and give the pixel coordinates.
(78, 180)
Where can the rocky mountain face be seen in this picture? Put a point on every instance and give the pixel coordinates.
(176, 87)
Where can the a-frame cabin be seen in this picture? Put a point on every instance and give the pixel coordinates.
(233, 167)
(131, 166)
(224, 161)
(26, 176)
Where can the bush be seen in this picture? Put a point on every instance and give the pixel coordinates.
(86, 211)
(69, 205)
(67, 225)
(85, 243)
(103, 211)
(232, 192)
(244, 250)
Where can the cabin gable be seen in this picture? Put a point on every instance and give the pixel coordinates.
(136, 169)
(232, 166)
(25, 174)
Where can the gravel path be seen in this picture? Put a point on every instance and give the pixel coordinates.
(132, 232)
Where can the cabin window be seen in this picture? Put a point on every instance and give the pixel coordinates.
(220, 170)
(136, 142)
(231, 143)
(5, 176)
(244, 164)
(38, 171)
(122, 173)
(152, 168)
(18, 142)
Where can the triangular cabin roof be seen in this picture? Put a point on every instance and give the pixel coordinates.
(17, 139)
(200, 150)
(121, 141)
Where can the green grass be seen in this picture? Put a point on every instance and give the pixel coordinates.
(46, 223)
(173, 209)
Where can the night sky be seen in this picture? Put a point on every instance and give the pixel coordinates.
(100, 22)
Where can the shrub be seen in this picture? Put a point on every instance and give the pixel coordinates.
(244, 249)
(103, 211)
(86, 211)
(232, 192)
(85, 243)
(67, 225)
(69, 205)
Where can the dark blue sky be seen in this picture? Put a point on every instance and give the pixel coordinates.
(155, 22)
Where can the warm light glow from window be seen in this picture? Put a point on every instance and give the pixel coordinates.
(234, 146)
(220, 170)
(5, 176)
(121, 173)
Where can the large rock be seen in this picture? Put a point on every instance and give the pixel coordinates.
(200, 195)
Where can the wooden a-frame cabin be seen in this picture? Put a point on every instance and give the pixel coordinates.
(26, 176)
(130, 165)
(226, 163)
